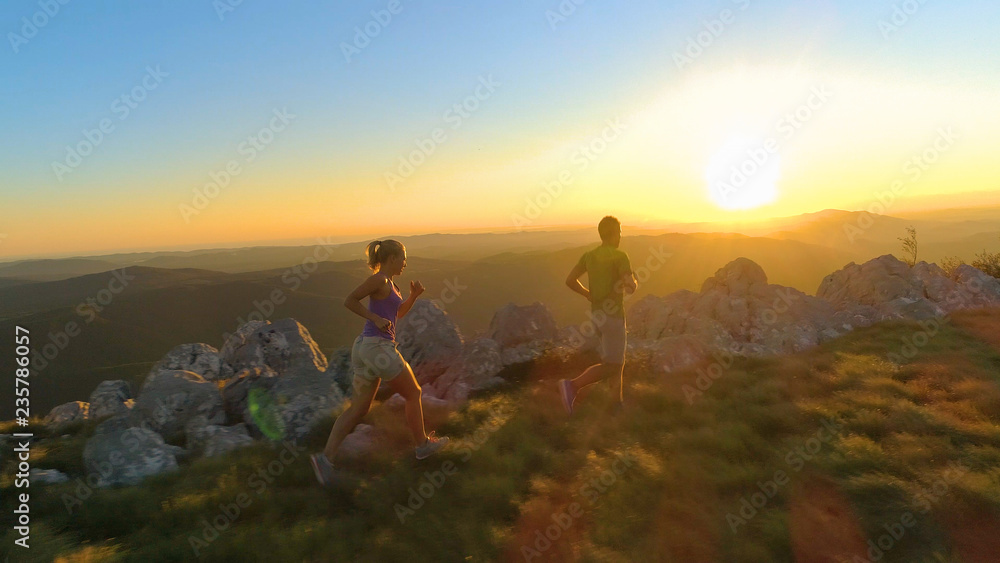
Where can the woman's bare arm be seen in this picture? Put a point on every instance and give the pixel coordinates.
(366, 289)
(416, 288)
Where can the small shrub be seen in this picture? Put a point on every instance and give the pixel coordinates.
(988, 262)
(950, 264)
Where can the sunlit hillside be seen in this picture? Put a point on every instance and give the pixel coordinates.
(826, 453)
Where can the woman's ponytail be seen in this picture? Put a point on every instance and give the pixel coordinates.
(379, 251)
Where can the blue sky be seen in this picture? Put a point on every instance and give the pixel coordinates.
(226, 75)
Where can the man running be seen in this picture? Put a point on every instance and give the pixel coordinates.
(609, 273)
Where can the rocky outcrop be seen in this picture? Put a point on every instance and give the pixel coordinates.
(476, 369)
(428, 340)
(737, 311)
(288, 408)
(212, 439)
(122, 454)
(285, 346)
(198, 358)
(985, 287)
(340, 366)
(169, 399)
(67, 413)
(668, 354)
(283, 384)
(895, 290)
(360, 444)
(524, 333)
(522, 324)
(235, 391)
(110, 398)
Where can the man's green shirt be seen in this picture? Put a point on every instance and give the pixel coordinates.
(605, 267)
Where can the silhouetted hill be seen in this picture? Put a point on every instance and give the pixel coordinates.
(22, 299)
(54, 269)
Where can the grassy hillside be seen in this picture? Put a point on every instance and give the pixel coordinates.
(829, 449)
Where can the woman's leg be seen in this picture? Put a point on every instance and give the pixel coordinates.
(406, 385)
(361, 403)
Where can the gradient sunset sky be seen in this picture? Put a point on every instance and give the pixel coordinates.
(556, 81)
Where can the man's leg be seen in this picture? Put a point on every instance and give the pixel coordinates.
(617, 380)
(591, 375)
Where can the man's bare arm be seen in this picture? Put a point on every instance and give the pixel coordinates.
(573, 281)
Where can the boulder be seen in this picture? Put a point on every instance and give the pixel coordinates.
(428, 340)
(66, 413)
(227, 438)
(984, 288)
(360, 443)
(289, 407)
(119, 453)
(110, 398)
(236, 390)
(524, 352)
(475, 369)
(285, 346)
(514, 324)
(896, 290)
(169, 399)
(873, 283)
(340, 367)
(736, 311)
(668, 354)
(198, 358)
(212, 439)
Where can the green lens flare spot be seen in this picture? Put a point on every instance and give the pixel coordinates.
(265, 414)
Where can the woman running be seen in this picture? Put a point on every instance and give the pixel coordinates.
(374, 356)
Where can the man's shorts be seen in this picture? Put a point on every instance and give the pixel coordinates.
(374, 357)
(612, 335)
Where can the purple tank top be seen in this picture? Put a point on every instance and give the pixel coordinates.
(385, 308)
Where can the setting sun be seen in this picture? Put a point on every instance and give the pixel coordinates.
(744, 173)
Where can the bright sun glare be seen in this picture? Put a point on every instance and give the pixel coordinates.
(743, 173)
